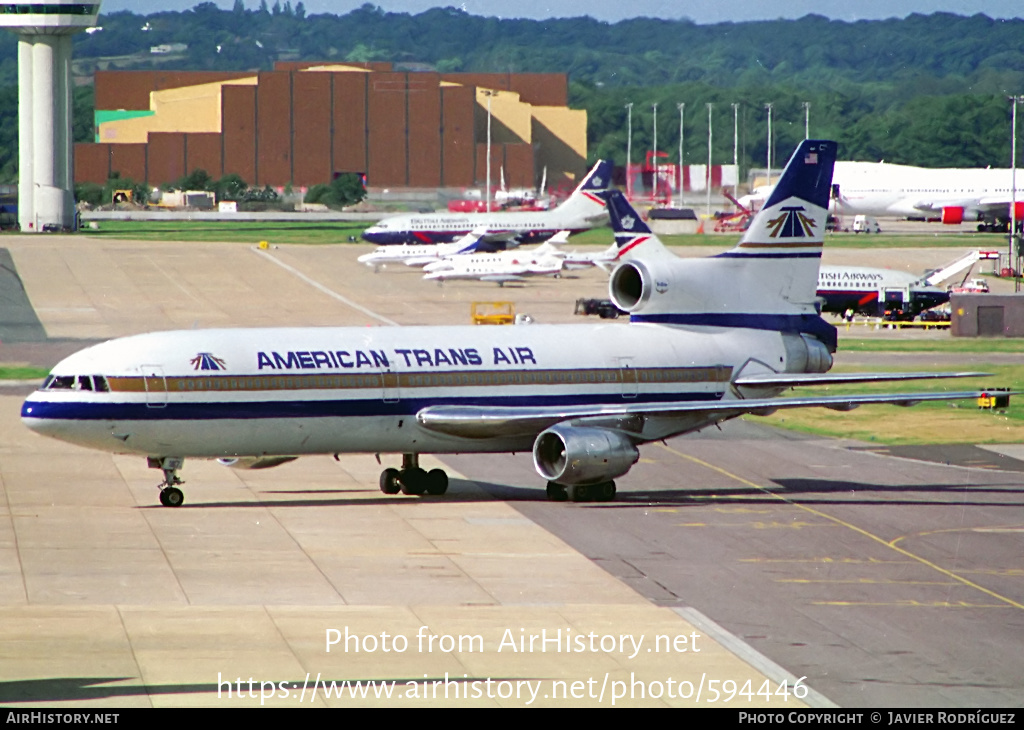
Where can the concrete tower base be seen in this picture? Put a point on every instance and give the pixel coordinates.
(46, 199)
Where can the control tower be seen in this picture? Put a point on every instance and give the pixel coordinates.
(46, 198)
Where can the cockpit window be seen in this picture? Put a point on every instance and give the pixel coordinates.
(77, 382)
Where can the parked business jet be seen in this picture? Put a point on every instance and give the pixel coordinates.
(709, 340)
(575, 260)
(501, 267)
(581, 211)
(421, 255)
(952, 195)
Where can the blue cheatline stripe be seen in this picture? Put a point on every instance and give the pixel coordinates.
(810, 324)
(805, 255)
(188, 411)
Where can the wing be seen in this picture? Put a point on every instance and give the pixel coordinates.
(487, 422)
(792, 380)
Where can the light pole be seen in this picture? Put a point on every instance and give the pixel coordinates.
(736, 140)
(1014, 240)
(629, 149)
(769, 108)
(489, 94)
(681, 106)
(807, 120)
(708, 186)
(654, 173)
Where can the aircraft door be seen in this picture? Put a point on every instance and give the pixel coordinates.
(155, 385)
(627, 376)
(390, 390)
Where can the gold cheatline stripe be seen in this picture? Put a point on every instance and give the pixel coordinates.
(781, 245)
(450, 378)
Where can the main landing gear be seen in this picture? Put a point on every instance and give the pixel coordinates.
(411, 479)
(602, 492)
(170, 495)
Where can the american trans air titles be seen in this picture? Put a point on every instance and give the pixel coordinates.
(409, 357)
(708, 340)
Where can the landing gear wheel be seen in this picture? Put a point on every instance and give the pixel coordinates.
(437, 482)
(413, 480)
(605, 492)
(582, 492)
(172, 497)
(389, 483)
(556, 492)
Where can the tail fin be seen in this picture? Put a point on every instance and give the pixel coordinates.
(470, 242)
(784, 239)
(793, 218)
(768, 281)
(633, 236)
(585, 201)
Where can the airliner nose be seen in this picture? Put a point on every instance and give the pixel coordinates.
(32, 417)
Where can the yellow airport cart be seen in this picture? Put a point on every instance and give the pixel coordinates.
(493, 313)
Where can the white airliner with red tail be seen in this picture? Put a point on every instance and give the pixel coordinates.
(708, 340)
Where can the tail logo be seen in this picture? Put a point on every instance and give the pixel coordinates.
(206, 361)
(792, 224)
(628, 222)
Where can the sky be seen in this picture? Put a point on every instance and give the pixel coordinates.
(700, 11)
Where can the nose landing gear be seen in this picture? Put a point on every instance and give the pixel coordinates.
(170, 495)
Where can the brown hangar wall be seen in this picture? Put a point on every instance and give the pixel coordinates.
(303, 123)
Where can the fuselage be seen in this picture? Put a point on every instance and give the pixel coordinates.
(431, 228)
(864, 289)
(886, 190)
(223, 393)
(882, 189)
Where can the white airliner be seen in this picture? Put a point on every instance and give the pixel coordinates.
(709, 340)
(421, 255)
(501, 266)
(953, 195)
(581, 211)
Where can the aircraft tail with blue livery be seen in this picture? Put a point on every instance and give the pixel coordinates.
(767, 282)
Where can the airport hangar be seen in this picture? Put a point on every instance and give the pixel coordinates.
(305, 123)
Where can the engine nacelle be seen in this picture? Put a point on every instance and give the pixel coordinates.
(256, 462)
(569, 455)
(953, 215)
(806, 354)
(637, 285)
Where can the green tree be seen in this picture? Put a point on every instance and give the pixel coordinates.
(343, 191)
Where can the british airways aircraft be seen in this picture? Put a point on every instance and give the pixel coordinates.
(582, 210)
(708, 340)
